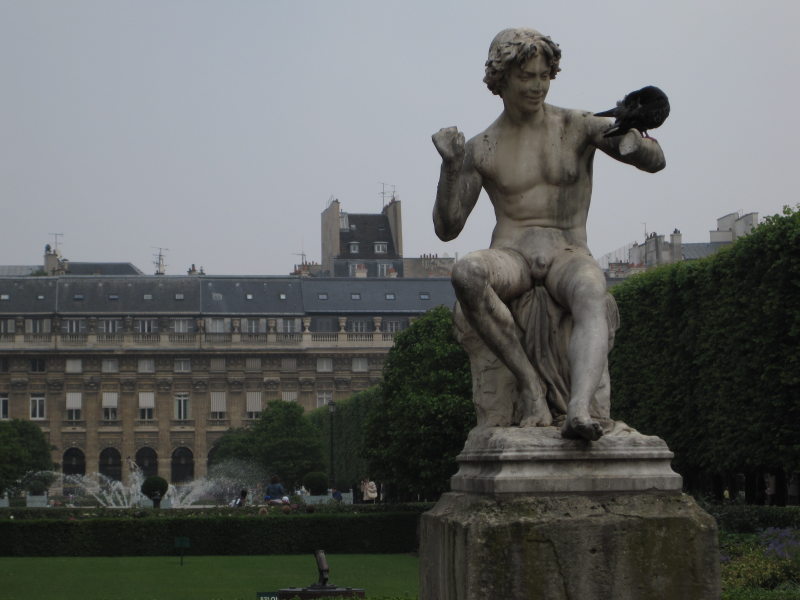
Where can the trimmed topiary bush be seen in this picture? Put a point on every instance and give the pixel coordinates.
(316, 483)
(154, 484)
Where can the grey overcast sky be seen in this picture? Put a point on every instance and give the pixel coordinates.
(220, 129)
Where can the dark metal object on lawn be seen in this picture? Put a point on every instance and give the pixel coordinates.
(321, 589)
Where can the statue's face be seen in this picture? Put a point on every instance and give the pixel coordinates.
(527, 84)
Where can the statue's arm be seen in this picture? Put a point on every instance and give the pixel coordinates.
(631, 148)
(459, 183)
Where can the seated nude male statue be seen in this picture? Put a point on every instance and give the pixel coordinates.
(535, 163)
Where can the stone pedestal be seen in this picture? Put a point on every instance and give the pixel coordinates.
(535, 517)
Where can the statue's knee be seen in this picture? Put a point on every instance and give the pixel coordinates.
(469, 275)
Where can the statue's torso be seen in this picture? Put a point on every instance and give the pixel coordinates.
(537, 177)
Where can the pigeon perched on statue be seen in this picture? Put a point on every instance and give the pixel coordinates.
(643, 109)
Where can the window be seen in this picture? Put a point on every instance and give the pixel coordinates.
(289, 396)
(381, 247)
(184, 365)
(74, 365)
(355, 296)
(110, 401)
(324, 365)
(113, 297)
(74, 326)
(110, 365)
(357, 326)
(217, 364)
(282, 296)
(5, 297)
(393, 326)
(424, 296)
(254, 405)
(288, 364)
(40, 297)
(324, 397)
(322, 296)
(147, 325)
(178, 296)
(360, 365)
(3, 406)
(37, 325)
(353, 247)
(182, 406)
(218, 405)
(216, 326)
(383, 269)
(248, 296)
(391, 296)
(252, 363)
(182, 325)
(147, 297)
(77, 297)
(110, 325)
(289, 325)
(74, 406)
(147, 365)
(38, 365)
(147, 404)
(252, 325)
(216, 296)
(7, 325)
(37, 408)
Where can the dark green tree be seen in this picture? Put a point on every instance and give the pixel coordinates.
(349, 422)
(23, 449)
(235, 444)
(283, 442)
(286, 442)
(420, 420)
(707, 354)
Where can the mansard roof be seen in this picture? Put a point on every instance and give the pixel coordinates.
(374, 295)
(204, 295)
(366, 229)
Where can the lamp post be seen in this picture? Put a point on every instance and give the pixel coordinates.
(332, 411)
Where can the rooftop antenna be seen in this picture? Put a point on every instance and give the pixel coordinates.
(55, 240)
(385, 193)
(645, 230)
(159, 262)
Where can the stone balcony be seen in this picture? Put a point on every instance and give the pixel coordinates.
(24, 342)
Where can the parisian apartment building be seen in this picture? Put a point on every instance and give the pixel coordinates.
(118, 367)
(154, 369)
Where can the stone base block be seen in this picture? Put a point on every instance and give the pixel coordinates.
(537, 460)
(647, 546)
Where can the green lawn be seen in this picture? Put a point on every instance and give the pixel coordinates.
(200, 577)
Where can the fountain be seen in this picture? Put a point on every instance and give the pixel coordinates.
(222, 483)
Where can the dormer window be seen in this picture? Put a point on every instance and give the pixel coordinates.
(353, 247)
(381, 247)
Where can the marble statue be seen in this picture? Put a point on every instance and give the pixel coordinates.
(534, 313)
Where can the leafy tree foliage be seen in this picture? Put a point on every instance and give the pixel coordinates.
(707, 354)
(420, 420)
(283, 442)
(23, 449)
(349, 436)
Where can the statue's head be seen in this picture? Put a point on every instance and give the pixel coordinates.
(514, 47)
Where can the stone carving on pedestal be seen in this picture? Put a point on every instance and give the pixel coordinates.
(537, 322)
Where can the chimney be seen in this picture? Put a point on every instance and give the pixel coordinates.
(676, 245)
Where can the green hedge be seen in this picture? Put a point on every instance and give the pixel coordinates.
(345, 533)
(707, 358)
(742, 518)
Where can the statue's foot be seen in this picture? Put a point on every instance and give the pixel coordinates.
(577, 428)
(537, 414)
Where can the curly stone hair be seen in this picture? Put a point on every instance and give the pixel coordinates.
(514, 47)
